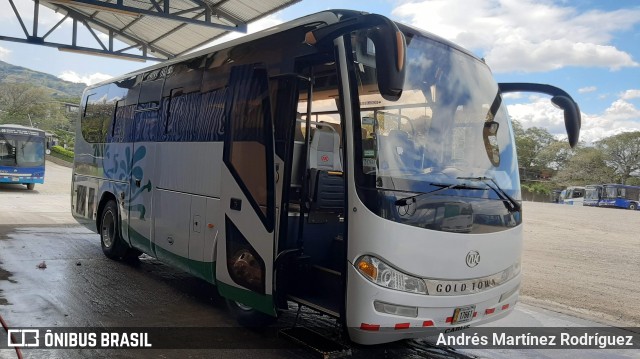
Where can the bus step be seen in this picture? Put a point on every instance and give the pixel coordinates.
(325, 347)
(327, 270)
(317, 302)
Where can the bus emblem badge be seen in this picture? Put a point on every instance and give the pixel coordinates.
(473, 258)
(324, 158)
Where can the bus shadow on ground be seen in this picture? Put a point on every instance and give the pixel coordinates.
(17, 188)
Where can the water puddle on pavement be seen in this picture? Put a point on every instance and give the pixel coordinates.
(5, 275)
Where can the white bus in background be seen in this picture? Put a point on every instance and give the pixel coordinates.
(573, 195)
(200, 161)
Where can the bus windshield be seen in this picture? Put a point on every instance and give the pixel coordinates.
(21, 150)
(447, 128)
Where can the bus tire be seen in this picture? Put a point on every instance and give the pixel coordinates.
(31, 186)
(110, 240)
(633, 206)
(247, 316)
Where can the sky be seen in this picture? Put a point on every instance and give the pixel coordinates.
(589, 48)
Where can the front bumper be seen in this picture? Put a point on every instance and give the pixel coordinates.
(368, 326)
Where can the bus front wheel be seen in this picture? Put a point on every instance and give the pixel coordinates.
(31, 186)
(249, 317)
(110, 240)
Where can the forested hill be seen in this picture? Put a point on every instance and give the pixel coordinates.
(57, 87)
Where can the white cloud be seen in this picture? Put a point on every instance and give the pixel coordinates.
(90, 79)
(630, 94)
(46, 16)
(526, 35)
(539, 112)
(4, 53)
(587, 89)
(620, 116)
(512, 95)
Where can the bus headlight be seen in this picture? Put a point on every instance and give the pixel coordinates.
(384, 275)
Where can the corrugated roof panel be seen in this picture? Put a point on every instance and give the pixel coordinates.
(167, 35)
(248, 10)
(171, 41)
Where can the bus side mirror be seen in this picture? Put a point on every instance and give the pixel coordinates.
(388, 40)
(390, 60)
(561, 99)
(572, 121)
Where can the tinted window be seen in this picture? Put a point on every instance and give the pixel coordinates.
(118, 92)
(249, 149)
(97, 115)
(151, 89)
(182, 97)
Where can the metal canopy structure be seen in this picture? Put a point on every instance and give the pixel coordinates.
(144, 29)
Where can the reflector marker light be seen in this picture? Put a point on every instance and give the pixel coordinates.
(370, 327)
(427, 323)
(490, 311)
(449, 320)
(505, 307)
(402, 326)
(475, 314)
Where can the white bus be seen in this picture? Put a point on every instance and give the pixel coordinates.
(573, 195)
(318, 162)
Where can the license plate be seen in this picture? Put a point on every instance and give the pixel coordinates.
(15, 179)
(463, 314)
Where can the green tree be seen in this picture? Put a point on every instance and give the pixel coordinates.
(587, 166)
(30, 105)
(537, 150)
(555, 155)
(541, 189)
(622, 153)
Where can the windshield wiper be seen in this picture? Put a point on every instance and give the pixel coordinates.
(412, 199)
(514, 206)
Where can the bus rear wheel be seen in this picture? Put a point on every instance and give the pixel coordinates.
(110, 240)
(31, 186)
(249, 317)
(633, 206)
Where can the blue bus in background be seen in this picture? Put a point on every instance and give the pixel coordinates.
(620, 196)
(22, 155)
(592, 195)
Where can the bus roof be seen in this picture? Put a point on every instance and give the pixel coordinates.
(326, 17)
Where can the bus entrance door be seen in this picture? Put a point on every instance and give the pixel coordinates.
(245, 249)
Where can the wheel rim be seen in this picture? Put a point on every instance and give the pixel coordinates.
(108, 229)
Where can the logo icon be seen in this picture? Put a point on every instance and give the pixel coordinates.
(324, 158)
(473, 258)
(20, 337)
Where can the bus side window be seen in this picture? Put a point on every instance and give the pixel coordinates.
(97, 115)
(182, 97)
(124, 94)
(151, 90)
(147, 114)
(248, 149)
